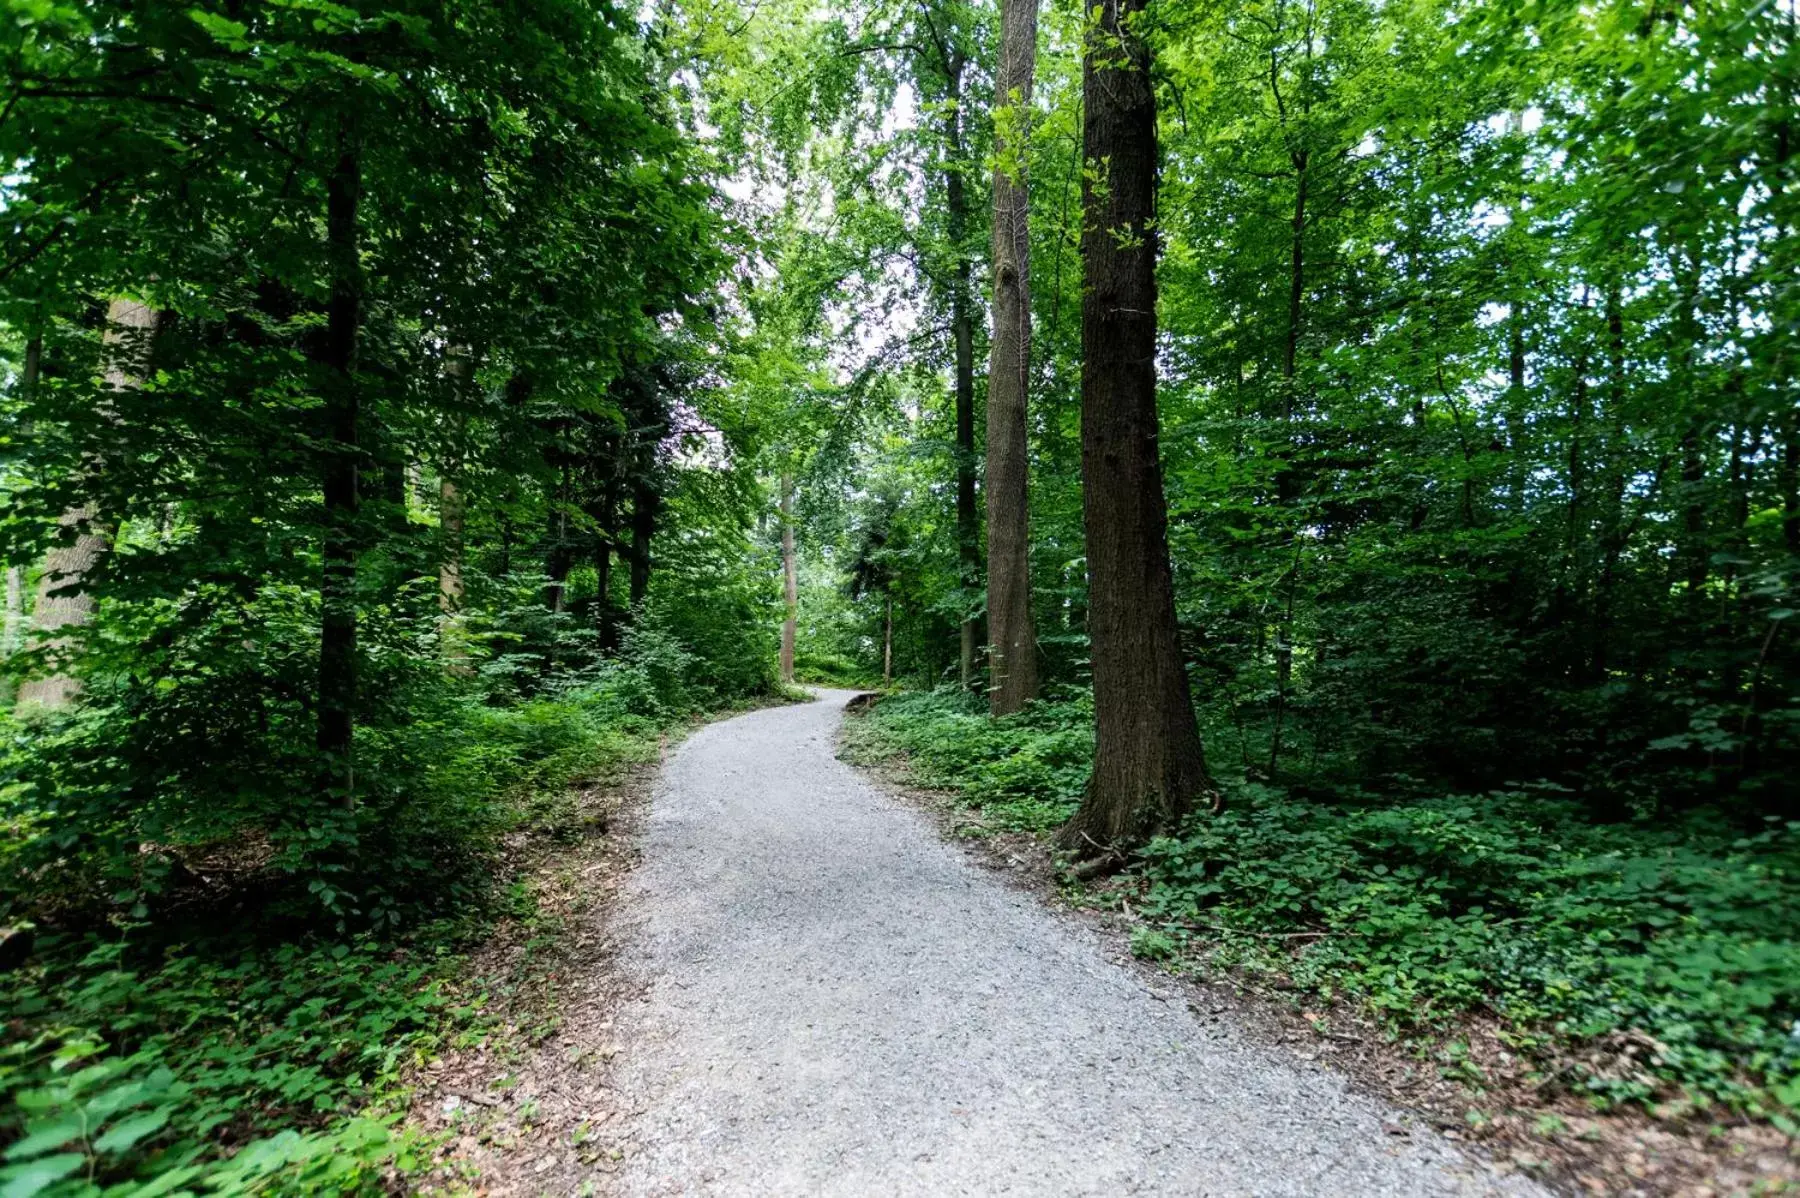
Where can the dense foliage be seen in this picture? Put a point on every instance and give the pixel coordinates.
(407, 406)
(368, 478)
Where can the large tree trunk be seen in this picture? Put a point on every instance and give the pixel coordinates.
(337, 598)
(1012, 664)
(962, 331)
(1148, 762)
(63, 603)
(790, 581)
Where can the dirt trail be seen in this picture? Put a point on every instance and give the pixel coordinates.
(831, 1000)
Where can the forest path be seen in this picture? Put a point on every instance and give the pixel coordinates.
(832, 1000)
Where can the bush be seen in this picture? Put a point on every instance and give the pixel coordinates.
(222, 995)
(1026, 771)
(1515, 902)
(124, 1067)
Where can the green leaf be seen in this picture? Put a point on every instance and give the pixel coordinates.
(124, 1134)
(223, 30)
(33, 1177)
(45, 1137)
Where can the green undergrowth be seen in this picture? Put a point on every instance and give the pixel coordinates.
(1634, 962)
(237, 1019)
(1025, 772)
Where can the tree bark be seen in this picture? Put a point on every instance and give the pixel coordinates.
(1790, 483)
(1012, 662)
(559, 556)
(1148, 761)
(15, 611)
(1290, 350)
(452, 516)
(15, 575)
(790, 582)
(605, 619)
(63, 603)
(337, 597)
(887, 644)
(962, 331)
(645, 504)
(605, 615)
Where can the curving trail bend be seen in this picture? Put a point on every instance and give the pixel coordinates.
(834, 1001)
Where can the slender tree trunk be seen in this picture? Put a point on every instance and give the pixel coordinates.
(1290, 358)
(645, 504)
(1148, 763)
(606, 615)
(1790, 482)
(887, 644)
(559, 557)
(1012, 664)
(790, 580)
(1613, 518)
(63, 603)
(337, 598)
(1287, 478)
(452, 518)
(15, 575)
(962, 331)
(1696, 551)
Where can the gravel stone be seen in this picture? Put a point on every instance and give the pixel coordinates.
(835, 1001)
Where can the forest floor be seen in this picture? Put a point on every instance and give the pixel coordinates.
(801, 987)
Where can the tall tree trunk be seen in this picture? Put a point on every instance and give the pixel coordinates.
(62, 602)
(1695, 550)
(337, 598)
(1290, 356)
(1148, 763)
(962, 331)
(887, 643)
(1613, 534)
(790, 581)
(1012, 664)
(605, 619)
(15, 611)
(1287, 478)
(452, 517)
(645, 504)
(559, 556)
(1790, 482)
(15, 575)
(608, 518)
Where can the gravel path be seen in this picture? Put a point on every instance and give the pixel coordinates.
(835, 1001)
